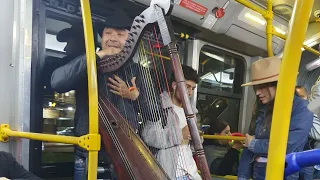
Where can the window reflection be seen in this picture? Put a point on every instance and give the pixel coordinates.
(216, 70)
(219, 90)
(58, 109)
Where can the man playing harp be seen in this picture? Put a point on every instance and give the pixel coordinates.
(126, 88)
(73, 76)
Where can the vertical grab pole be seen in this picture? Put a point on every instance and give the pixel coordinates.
(285, 89)
(269, 27)
(92, 85)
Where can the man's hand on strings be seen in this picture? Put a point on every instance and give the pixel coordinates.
(119, 87)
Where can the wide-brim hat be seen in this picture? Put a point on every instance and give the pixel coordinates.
(75, 31)
(264, 71)
(118, 20)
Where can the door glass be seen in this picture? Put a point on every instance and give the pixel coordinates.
(214, 108)
(218, 70)
(219, 90)
(58, 108)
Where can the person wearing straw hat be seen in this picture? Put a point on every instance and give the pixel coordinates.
(264, 78)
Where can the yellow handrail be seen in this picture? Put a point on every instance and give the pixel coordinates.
(86, 141)
(269, 27)
(256, 8)
(92, 87)
(304, 46)
(7, 132)
(286, 83)
(268, 15)
(91, 141)
(218, 137)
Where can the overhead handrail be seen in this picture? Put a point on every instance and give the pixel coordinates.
(270, 30)
(304, 46)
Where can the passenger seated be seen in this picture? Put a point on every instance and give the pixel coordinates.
(11, 169)
(222, 159)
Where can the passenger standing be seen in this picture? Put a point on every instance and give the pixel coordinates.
(264, 74)
(73, 76)
(173, 140)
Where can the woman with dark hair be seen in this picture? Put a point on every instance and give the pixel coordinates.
(222, 159)
(264, 74)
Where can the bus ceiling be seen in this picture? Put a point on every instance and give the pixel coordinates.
(226, 23)
(241, 28)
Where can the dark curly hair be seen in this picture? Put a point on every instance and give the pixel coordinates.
(189, 74)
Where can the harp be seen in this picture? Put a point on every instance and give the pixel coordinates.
(120, 119)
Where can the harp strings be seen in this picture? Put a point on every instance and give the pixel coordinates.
(152, 81)
(154, 48)
(114, 138)
(182, 155)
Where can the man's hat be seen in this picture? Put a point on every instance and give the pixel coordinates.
(264, 71)
(118, 20)
(75, 31)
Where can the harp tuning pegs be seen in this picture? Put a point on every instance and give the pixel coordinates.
(137, 20)
(134, 27)
(135, 33)
(127, 47)
(142, 16)
(130, 34)
(130, 40)
(142, 21)
(138, 26)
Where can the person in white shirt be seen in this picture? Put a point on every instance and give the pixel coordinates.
(172, 141)
(186, 168)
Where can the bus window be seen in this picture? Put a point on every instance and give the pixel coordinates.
(58, 109)
(219, 90)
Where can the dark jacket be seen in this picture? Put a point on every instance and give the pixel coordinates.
(300, 125)
(221, 159)
(11, 169)
(73, 76)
